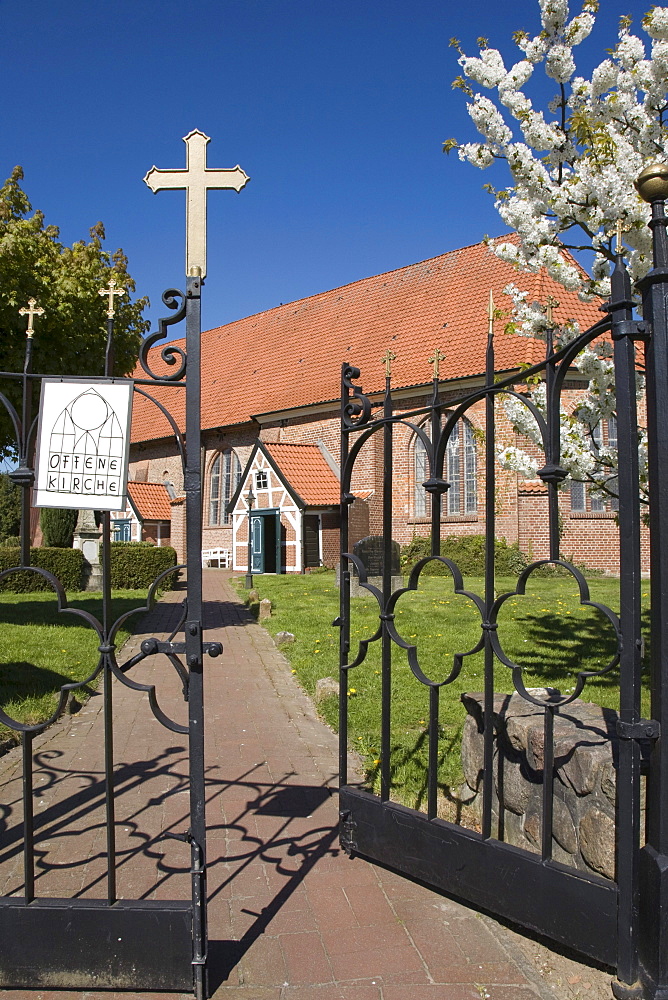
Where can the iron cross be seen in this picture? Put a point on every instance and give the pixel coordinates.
(550, 304)
(619, 248)
(110, 291)
(197, 179)
(31, 311)
(435, 359)
(387, 360)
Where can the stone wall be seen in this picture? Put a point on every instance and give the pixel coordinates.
(585, 754)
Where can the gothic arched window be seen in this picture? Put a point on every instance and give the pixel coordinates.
(603, 433)
(460, 470)
(224, 479)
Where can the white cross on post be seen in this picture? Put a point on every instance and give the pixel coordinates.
(197, 179)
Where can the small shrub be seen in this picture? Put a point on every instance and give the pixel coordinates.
(10, 507)
(58, 527)
(65, 564)
(11, 542)
(468, 552)
(135, 565)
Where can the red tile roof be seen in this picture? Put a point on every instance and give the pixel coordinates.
(291, 356)
(151, 501)
(305, 469)
(532, 486)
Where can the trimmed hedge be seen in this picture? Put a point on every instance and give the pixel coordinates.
(468, 551)
(65, 564)
(135, 565)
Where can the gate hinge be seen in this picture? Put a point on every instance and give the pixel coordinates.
(635, 329)
(347, 831)
(643, 729)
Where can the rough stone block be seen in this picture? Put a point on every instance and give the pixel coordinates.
(284, 638)
(513, 788)
(563, 827)
(597, 841)
(609, 781)
(265, 609)
(326, 687)
(586, 761)
(472, 753)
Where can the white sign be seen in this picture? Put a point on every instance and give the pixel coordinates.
(83, 443)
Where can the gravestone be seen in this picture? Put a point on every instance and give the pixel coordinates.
(371, 552)
(87, 537)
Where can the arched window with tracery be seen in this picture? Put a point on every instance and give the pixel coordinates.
(420, 474)
(460, 470)
(582, 501)
(223, 481)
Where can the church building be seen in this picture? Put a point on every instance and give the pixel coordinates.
(271, 388)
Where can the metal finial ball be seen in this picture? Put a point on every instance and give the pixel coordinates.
(652, 182)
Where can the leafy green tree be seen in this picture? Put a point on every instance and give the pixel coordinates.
(57, 527)
(70, 339)
(10, 508)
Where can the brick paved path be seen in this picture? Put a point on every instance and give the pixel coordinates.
(291, 917)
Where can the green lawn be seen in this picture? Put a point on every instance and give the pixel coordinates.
(40, 649)
(547, 631)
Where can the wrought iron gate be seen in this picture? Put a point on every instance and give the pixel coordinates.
(117, 943)
(621, 922)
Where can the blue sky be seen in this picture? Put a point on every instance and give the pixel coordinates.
(336, 109)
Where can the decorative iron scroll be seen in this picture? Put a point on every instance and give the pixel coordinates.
(170, 352)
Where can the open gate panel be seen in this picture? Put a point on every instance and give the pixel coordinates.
(575, 909)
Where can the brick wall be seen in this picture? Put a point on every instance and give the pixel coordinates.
(520, 515)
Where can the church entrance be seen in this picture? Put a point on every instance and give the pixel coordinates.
(266, 541)
(312, 540)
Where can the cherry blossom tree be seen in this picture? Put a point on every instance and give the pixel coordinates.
(572, 170)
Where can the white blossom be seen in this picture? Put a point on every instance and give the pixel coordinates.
(580, 28)
(553, 14)
(560, 64)
(489, 121)
(488, 70)
(572, 169)
(476, 153)
(604, 78)
(655, 23)
(630, 50)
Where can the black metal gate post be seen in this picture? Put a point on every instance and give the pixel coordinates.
(653, 944)
(624, 333)
(194, 647)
